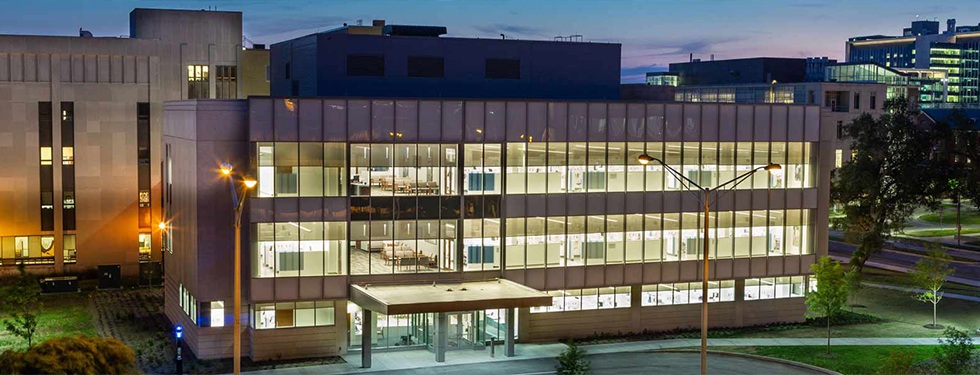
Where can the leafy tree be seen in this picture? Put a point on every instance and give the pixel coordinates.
(955, 351)
(71, 355)
(891, 174)
(20, 300)
(572, 361)
(853, 278)
(829, 298)
(960, 151)
(930, 273)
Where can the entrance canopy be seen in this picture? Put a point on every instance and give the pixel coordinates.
(446, 297)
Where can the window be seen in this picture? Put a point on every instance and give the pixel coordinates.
(503, 68)
(144, 246)
(293, 314)
(226, 81)
(686, 293)
(300, 249)
(587, 299)
(217, 313)
(366, 65)
(45, 121)
(68, 167)
(775, 288)
(197, 82)
(307, 169)
(840, 129)
(857, 100)
(874, 101)
(838, 158)
(70, 248)
(426, 67)
(143, 164)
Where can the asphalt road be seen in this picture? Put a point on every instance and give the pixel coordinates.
(964, 269)
(621, 364)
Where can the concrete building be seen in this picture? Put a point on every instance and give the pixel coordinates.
(414, 61)
(839, 102)
(384, 224)
(80, 129)
(955, 51)
(740, 71)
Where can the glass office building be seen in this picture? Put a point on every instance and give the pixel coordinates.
(357, 198)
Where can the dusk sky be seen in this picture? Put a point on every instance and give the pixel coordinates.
(653, 33)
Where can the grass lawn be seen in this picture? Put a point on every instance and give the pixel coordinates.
(903, 317)
(940, 232)
(967, 217)
(64, 314)
(849, 359)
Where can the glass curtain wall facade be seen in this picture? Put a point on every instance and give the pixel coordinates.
(416, 207)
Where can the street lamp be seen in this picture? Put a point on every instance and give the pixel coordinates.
(238, 200)
(705, 198)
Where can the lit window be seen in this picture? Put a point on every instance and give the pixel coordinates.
(197, 82)
(144, 248)
(217, 313)
(45, 155)
(67, 155)
(838, 158)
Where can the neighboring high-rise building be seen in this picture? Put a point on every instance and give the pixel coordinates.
(80, 129)
(415, 61)
(444, 224)
(955, 51)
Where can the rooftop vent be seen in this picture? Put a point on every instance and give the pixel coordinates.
(409, 30)
(84, 33)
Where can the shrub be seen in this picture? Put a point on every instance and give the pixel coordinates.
(899, 362)
(71, 355)
(572, 361)
(955, 352)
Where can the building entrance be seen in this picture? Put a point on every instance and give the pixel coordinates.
(467, 330)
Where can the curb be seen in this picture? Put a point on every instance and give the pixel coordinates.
(757, 357)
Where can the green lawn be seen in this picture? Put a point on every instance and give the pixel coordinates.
(967, 217)
(848, 360)
(940, 232)
(64, 314)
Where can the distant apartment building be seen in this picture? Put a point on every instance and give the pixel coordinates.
(80, 130)
(956, 51)
(396, 220)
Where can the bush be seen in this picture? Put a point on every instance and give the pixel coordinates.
(71, 355)
(572, 361)
(955, 352)
(899, 362)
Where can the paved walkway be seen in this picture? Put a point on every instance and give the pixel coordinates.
(412, 359)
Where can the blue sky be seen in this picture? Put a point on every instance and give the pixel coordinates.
(653, 33)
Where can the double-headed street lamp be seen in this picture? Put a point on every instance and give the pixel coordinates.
(238, 200)
(705, 199)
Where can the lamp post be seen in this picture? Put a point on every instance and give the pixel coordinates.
(238, 200)
(705, 198)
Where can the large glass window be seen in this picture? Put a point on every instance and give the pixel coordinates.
(197, 82)
(686, 293)
(403, 169)
(775, 287)
(587, 299)
(300, 249)
(559, 241)
(293, 314)
(405, 246)
(304, 169)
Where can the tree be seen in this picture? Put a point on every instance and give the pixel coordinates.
(71, 355)
(891, 174)
(20, 300)
(930, 273)
(829, 298)
(960, 150)
(572, 361)
(853, 278)
(955, 351)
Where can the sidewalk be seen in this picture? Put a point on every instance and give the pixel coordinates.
(412, 359)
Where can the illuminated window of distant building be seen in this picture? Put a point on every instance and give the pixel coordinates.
(838, 158)
(197, 82)
(70, 248)
(144, 241)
